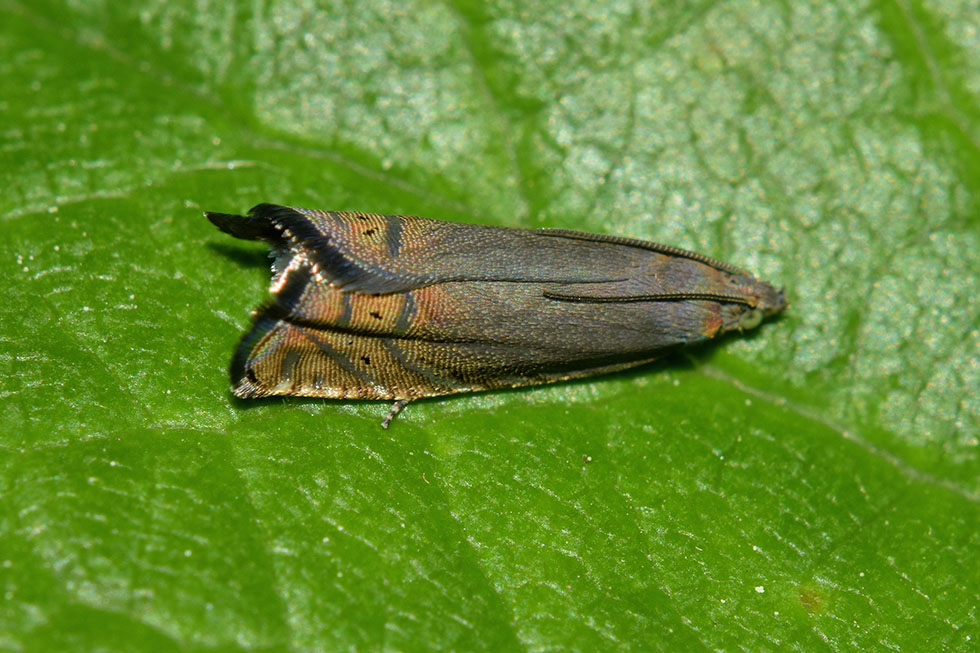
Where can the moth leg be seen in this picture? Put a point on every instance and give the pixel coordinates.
(395, 409)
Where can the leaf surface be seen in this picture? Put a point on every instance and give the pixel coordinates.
(813, 484)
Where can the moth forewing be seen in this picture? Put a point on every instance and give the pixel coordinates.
(371, 306)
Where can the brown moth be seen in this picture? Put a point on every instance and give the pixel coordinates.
(369, 306)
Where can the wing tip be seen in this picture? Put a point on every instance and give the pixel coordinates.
(251, 227)
(244, 383)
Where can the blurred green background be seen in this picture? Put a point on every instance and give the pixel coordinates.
(814, 484)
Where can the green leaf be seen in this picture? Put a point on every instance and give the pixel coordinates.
(815, 484)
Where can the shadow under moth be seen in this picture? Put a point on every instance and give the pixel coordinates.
(369, 306)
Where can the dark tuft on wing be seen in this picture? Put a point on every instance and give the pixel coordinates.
(247, 228)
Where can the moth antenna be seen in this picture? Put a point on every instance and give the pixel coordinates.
(663, 297)
(668, 250)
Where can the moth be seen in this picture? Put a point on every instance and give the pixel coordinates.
(396, 307)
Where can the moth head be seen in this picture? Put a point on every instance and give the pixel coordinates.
(757, 300)
(769, 299)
